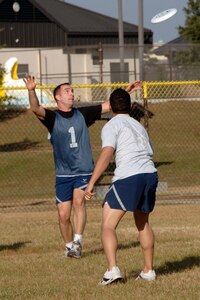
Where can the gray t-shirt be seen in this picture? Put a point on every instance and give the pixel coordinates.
(133, 152)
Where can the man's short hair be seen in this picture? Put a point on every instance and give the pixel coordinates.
(57, 88)
(120, 101)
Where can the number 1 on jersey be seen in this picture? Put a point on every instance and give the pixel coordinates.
(73, 143)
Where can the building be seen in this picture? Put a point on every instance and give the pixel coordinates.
(182, 59)
(54, 41)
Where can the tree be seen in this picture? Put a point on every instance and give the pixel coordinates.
(187, 60)
(191, 30)
(2, 94)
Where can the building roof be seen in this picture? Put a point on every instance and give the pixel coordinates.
(76, 19)
(44, 23)
(173, 45)
(179, 40)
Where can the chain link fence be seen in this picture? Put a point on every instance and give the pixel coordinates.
(169, 111)
(169, 62)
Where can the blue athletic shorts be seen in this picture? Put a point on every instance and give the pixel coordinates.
(66, 185)
(134, 192)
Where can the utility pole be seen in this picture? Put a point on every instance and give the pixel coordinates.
(141, 39)
(100, 50)
(121, 40)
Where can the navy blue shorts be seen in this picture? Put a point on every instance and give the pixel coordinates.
(66, 185)
(134, 192)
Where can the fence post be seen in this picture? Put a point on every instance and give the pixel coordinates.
(145, 103)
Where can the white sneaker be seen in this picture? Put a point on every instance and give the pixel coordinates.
(111, 276)
(149, 276)
(65, 254)
(76, 250)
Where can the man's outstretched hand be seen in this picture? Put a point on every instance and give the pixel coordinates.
(30, 82)
(134, 86)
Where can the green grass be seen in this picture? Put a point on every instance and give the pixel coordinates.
(32, 266)
(176, 140)
(26, 160)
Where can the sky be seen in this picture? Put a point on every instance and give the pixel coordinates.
(162, 32)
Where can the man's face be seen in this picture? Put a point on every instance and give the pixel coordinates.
(65, 95)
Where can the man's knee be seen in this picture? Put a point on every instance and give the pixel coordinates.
(78, 198)
(79, 202)
(107, 226)
(64, 213)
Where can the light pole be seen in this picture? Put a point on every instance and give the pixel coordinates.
(141, 39)
(121, 40)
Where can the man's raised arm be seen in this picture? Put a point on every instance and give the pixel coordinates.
(33, 99)
(132, 87)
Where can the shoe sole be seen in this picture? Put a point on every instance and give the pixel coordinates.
(112, 281)
(146, 279)
(73, 256)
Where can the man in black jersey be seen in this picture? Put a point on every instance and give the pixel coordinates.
(72, 156)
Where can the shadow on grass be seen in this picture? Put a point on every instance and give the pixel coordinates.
(120, 247)
(21, 205)
(19, 146)
(37, 203)
(11, 113)
(162, 163)
(14, 246)
(176, 266)
(179, 265)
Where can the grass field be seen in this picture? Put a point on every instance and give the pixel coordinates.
(26, 160)
(32, 266)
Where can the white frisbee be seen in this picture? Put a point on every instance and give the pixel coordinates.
(164, 15)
